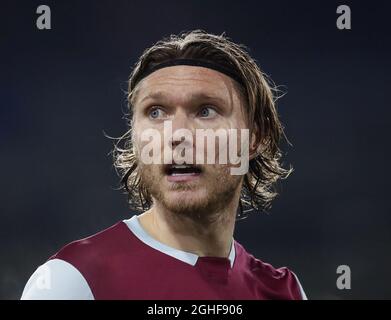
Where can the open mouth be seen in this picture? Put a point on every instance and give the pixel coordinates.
(183, 173)
(182, 170)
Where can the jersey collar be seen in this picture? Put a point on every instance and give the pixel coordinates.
(187, 257)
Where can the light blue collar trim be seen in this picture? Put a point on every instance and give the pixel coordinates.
(190, 258)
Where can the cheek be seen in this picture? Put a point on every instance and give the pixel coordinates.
(147, 140)
(242, 133)
(238, 121)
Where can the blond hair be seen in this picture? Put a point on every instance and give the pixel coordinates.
(260, 96)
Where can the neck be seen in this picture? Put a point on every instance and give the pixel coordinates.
(205, 236)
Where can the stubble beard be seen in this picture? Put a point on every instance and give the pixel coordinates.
(220, 189)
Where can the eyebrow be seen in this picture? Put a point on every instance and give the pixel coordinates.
(160, 95)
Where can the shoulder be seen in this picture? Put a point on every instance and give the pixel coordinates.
(57, 280)
(281, 282)
(68, 273)
(96, 246)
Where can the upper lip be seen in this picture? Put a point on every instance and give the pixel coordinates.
(169, 168)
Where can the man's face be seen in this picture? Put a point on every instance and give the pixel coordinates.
(191, 98)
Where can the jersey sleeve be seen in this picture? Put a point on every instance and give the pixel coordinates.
(57, 280)
(303, 295)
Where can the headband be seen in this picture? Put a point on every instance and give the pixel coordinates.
(190, 62)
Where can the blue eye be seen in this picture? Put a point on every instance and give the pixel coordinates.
(207, 112)
(156, 113)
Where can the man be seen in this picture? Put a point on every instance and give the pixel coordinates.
(182, 246)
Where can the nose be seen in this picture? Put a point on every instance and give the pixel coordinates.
(182, 129)
(181, 121)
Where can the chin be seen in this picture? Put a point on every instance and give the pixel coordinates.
(182, 201)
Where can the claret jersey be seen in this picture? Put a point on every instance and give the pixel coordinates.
(125, 262)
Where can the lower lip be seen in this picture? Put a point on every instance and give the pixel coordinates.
(183, 177)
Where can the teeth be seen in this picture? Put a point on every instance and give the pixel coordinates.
(180, 166)
(182, 170)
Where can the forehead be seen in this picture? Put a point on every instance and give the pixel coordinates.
(183, 80)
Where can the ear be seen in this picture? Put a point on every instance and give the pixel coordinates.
(255, 142)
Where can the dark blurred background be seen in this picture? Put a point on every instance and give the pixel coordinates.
(62, 88)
